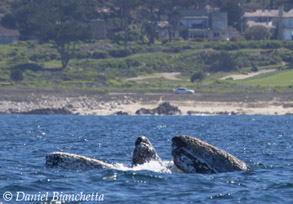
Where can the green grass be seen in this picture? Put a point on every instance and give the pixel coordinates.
(110, 73)
(273, 79)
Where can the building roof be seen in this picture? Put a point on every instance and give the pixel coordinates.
(163, 24)
(268, 13)
(288, 14)
(8, 32)
(262, 13)
(193, 12)
(267, 25)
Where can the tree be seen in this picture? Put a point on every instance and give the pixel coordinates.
(16, 75)
(234, 10)
(254, 68)
(124, 12)
(150, 19)
(8, 21)
(257, 32)
(62, 22)
(220, 62)
(197, 76)
(169, 9)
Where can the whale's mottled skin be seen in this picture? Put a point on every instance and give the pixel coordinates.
(144, 152)
(192, 155)
(74, 162)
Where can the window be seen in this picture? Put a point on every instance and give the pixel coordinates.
(216, 35)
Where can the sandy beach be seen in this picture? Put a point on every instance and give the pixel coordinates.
(94, 103)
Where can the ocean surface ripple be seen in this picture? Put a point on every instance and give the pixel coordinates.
(263, 142)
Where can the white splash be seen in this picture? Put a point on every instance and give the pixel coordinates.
(155, 166)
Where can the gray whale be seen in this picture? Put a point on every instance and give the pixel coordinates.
(144, 152)
(192, 155)
(74, 162)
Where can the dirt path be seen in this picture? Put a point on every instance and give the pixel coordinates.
(169, 76)
(245, 76)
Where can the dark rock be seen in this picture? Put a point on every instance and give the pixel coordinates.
(144, 111)
(121, 113)
(166, 109)
(48, 111)
(196, 113)
(163, 109)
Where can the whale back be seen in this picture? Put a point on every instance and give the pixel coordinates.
(144, 152)
(192, 155)
(74, 162)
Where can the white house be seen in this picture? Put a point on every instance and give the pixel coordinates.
(279, 22)
(206, 24)
(287, 22)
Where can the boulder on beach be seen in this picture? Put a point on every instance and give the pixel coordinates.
(144, 111)
(121, 113)
(163, 109)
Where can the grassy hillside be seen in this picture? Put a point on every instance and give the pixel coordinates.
(275, 79)
(106, 66)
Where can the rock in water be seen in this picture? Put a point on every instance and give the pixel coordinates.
(74, 162)
(192, 155)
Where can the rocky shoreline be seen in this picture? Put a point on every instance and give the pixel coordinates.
(144, 103)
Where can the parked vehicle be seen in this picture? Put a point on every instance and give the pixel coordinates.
(182, 90)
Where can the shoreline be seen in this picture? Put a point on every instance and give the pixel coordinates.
(94, 103)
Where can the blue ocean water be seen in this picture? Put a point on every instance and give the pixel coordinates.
(263, 142)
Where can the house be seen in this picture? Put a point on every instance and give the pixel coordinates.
(287, 26)
(209, 24)
(98, 29)
(8, 36)
(279, 22)
(163, 32)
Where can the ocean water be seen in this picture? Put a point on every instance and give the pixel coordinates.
(263, 142)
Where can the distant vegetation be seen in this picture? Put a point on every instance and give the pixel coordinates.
(64, 23)
(65, 57)
(29, 64)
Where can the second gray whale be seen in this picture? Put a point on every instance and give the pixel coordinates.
(192, 155)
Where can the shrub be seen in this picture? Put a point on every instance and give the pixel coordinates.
(118, 36)
(27, 66)
(100, 55)
(136, 49)
(120, 52)
(197, 76)
(236, 38)
(219, 61)
(134, 32)
(254, 68)
(81, 55)
(16, 75)
(53, 56)
(37, 57)
(132, 63)
(257, 32)
(165, 40)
